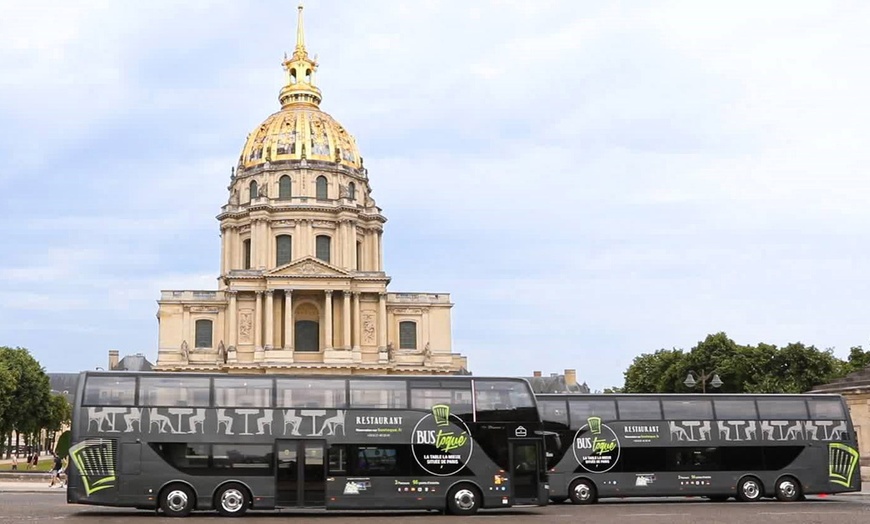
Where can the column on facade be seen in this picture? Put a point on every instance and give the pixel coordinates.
(346, 343)
(356, 317)
(382, 320)
(310, 243)
(327, 319)
(264, 239)
(288, 320)
(258, 320)
(270, 319)
(380, 238)
(185, 328)
(233, 327)
(225, 266)
(424, 330)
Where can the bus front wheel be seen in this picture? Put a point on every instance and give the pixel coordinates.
(749, 490)
(232, 500)
(177, 500)
(463, 499)
(583, 491)
(788, 489)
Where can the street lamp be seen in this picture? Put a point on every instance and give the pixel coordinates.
(690, 381)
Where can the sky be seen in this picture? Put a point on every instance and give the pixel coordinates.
(589, 180)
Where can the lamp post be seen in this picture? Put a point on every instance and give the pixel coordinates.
(690, 381)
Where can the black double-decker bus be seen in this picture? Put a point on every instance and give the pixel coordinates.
(182, 442)
(716, 446)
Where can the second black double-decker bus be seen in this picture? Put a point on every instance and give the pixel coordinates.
(182, 442)
(716, 446)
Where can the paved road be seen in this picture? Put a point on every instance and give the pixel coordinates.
(47, 507)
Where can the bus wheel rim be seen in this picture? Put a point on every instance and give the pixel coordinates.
(231, 500)
(177, 500)
(750, 489)
(787, 488)
(582, 491)
(464, 499)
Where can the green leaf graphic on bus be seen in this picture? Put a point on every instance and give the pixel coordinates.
(95, 461)
(842, 461)
(596, 446)
(448, 435)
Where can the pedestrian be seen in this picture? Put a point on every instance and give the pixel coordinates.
(15, 462)
(35, 459)
(55, 469)
(64, 472)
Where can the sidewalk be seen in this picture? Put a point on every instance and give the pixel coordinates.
(29, 486)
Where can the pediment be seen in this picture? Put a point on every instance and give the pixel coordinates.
(307, 267)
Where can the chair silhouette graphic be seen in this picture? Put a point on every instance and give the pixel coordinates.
(811, 431)
(766, 430)
(724, 429)
(678, 431)
(334, 422)
(292, 419)
(837, 432)
(704, 431)
(751, 431)
(226, 420)
(265, 420)
(98, 416)
(162, 421)
(133, 417)
(199, 418)
(795, 432)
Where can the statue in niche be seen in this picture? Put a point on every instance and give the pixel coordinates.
(427, 353)
(390, 351)
(222, 352)
(343, 192)
(263, 189)
(234, 197)
(184, 350)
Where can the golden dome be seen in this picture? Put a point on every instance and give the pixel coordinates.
(300, 130)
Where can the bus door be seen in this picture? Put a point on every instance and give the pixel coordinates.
(300, 473)
(525, 462)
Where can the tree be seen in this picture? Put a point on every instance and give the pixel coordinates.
(657, 372)
(858, 359)
(29, 400)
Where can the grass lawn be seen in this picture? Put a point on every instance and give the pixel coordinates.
(44, 465)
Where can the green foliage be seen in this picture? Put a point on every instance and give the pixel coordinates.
(63, 443)
(29, 400)
(764, 368)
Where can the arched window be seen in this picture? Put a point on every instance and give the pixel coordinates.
(246, 254)
(407, 335)
(203, 333)
(293, 76)
(351, 191)
(283, 249)
(284, 188)
(307, 335)
(307, 76)
(324, 243)
(255, 193)
(322, 192)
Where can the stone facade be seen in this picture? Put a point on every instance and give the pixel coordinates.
(302, 286)
(855, 388)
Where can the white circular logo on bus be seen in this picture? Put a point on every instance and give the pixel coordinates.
(596, 446)
(441, 442)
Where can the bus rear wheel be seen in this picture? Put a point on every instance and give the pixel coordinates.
(788, 489)
(177, 500)
(463, 499)
(749, 490)
(583, 491)
(231, 500)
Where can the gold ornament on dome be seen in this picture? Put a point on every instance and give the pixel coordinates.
(300, 130)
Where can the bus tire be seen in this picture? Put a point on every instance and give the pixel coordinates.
(232, 500)
(463, 499)
(749, 489)
(177, 500)
(582, 491)
(788, 489)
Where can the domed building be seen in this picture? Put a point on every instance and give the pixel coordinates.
(302, 287)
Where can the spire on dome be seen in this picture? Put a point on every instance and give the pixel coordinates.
(300, 87)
